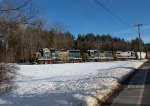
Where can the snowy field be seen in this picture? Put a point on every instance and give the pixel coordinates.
(70, 84)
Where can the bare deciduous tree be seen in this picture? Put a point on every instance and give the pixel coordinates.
(15, 15)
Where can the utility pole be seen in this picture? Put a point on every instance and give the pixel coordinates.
(138, 25)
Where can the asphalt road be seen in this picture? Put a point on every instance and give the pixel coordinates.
(135, 91)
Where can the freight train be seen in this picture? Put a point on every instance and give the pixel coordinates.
(47, 56)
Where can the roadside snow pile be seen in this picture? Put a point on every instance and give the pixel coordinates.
(66, 84)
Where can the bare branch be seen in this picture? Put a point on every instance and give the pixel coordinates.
(15, 8)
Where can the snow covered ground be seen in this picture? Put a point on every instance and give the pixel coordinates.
(70, 84)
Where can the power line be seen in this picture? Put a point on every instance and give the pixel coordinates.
(115, 15)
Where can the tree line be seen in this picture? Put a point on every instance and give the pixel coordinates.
(20, 44)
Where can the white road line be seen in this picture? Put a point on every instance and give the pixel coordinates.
(142, 89)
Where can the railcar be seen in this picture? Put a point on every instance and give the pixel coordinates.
(125, 55)
(148, 55)
(42, 57)
(109, 55)
(106, 56)
(102, 56)
(74, 56)
(61, 55)
(67, 56)
(91, 55)
(143, 55)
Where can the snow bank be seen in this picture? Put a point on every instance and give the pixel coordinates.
(67, 84)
